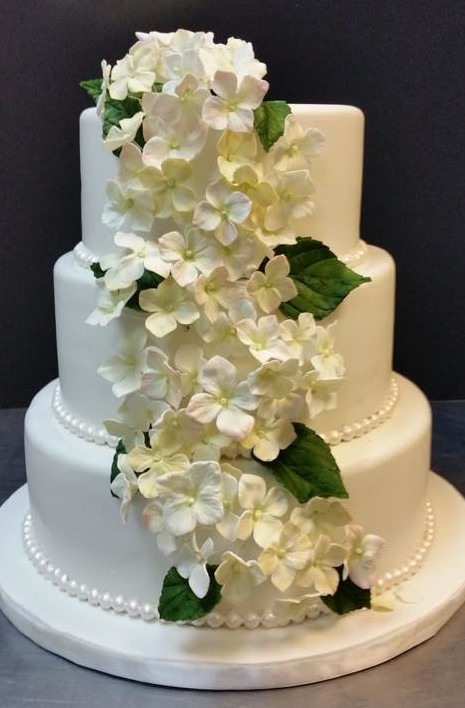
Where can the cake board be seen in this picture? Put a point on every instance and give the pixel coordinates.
(204, 658)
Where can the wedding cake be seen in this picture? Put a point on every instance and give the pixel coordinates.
(227, 445)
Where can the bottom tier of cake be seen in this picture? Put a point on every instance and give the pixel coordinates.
(76, 524)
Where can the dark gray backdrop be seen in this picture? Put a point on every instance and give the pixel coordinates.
(401, 62)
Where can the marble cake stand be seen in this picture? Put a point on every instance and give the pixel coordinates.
(192, 657)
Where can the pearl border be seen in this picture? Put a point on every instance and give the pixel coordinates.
(232, 620)
(356, 430)
(83, 255)
(356, 255)
(99, 435)
(78, 426)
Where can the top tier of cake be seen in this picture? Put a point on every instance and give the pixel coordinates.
(337, 175)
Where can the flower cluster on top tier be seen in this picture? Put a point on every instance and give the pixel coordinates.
(211, 188)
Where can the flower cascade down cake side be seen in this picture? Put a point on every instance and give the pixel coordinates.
(227, 443)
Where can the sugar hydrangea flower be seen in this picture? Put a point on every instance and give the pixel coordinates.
(160, 380)
(274, 379)
(320, 515)
(215, 290)
(123, 270)
(155, 462)
(286, 556)
(321, 573)
(234, 150)
(189, 254)
(268, 437)
(124, 132)
(124, 370)
(192, 497)
(172, 196)
(134, 73)
(188, 360)
(236, 56)
(225, 399)
(106, 73)
(227, 526)
(294, 191)
(222, 211)
(128, 208)
(110, 305)
(299, 335)
(175, 427)
(261, 518)
(233, 105)
(191, 564)
(238, 577)
(263, 338)
(152, 517)
(296, 148)
(169, 305)
(320, 393)
(360, 564)
(136, 414)
(176, 139)
(326, 360)
(272, 287)
(124, 485)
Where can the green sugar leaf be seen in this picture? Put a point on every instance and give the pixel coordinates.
(178, 603)
(269, 119)
(348, 597)
(97, 270)
(322, 281)
(93, 88)
(120, 450)
(307, 467)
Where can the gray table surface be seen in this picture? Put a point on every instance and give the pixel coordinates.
(430, 675)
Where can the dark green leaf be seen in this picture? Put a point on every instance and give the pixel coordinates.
(322, 280)
(120, 450)
(348, 597)
(158, 87)
(269, 119)
(97, 270)
(179, 603)
(93, 88)
(307, 467)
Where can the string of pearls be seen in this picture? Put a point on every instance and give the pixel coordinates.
(94, 433)
(83, 255)
(356, 255)
(232, 620)
(356, 430)
(77, 426)
(406, 571)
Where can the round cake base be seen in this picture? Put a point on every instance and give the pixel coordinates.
(204, 658)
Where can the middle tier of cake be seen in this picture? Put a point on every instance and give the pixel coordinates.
(364, 337)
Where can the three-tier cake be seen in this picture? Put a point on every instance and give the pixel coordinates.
(227, 446)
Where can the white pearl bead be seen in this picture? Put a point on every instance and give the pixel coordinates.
(233, 620)
(64, 583)
(251, 620)
(198, 622)
(148, 612)
(269, 619)
(357, 430)
(133, 608)
(82, 591)
(118, 603)
(42, 564)
(38, 556)
(57, 573)
(347, 433)
(49, 570)
(215, 620)
(334, 437)
(313, 612)
(300, 616)
(94, 597)
(73, 588)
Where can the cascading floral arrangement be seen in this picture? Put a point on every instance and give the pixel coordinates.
(224, 367)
